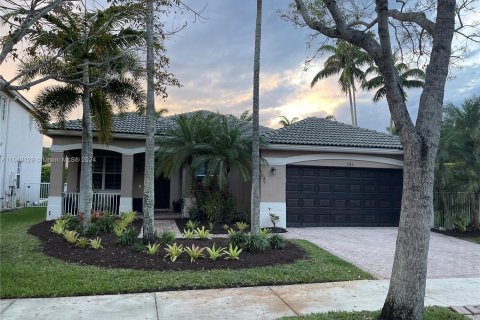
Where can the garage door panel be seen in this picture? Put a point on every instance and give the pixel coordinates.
(328, 196)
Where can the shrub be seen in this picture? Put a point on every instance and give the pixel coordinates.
(96, 243)
(173, 251)
(188, 234)
(152, 249)
(195, 252)
(117, 230)
(265, 232)
(237, 239)
(257, 243)
(58, 227)
(460, 224)
(277, 241)
(225, 227)
(92, 231)
(70, 222)
(106, 223)
(214, 253)
(191, 224)
(138, 246)
(167, 237)
(232, 253)
(213, 206)
(71, 236)
(202, 234)
(274, 218)
(128, 237)
(82, 242)
(128, 217)
(241, 226)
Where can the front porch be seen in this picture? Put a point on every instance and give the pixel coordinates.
(117, 183)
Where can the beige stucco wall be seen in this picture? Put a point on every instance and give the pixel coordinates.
(241, 191)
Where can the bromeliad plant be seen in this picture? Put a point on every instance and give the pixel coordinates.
(202, 234)
(265, 232)
(214, 253)
(96, 243)
(241, 226)
(174, 251)
(82, 242)
(233, 253)
(188, 234)
(167, 237)
(191, 224)
(71, 236)
(152, 249)
(117, 230)
(195, 252)
(59, 226)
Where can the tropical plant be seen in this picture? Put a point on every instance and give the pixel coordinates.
(96, 243)
(128, 217)
(174, 251)
(93, 73)
(71, 236)
(106, 223)
(215, 253)
(225, 227)
(92, 230)
(118, 230)
(460, 224)
(232, 253)
(257, 243)
(188, 234)
(241, 226)
(285, 122)
(346, 60)
(195, 252)
(167, 237)
(128, 237)
(274, 218)
(237, 238)
(191, 224)
(408, 79)
(276, 241)
(264, 232)
(152, 249)
(59, 226)
(82, 242)
(202, 234)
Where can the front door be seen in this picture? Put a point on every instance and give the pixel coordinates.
(162, 193)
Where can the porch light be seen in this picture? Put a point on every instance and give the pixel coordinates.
(273, 171)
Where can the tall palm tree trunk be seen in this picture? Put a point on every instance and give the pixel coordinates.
(352, 112)
(86, 191)
(255, 205)
(148, 184)
(354, 104)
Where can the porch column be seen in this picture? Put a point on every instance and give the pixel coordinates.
(54, 208)
(126, 198)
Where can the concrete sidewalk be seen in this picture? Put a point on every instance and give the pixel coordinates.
(237, 303)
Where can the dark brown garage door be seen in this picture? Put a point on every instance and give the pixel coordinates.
(343, 197)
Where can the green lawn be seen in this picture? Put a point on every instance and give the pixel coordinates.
(431, 313)
(26, 272)
(472, 239)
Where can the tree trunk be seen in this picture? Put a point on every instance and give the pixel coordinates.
(474, 203)
(148, 184)
(354, 98)
(352, 112)
(86, 188)
(407, 285)
(255, 205)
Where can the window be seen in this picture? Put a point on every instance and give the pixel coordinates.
(3, 107)
(107, 173)
(19, 172)
(200, 174)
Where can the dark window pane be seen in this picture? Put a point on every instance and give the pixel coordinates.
(113, 165)
(112, 181)
(97, 181)
(98, 164)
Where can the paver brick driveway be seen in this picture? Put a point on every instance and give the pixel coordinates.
(372, 249)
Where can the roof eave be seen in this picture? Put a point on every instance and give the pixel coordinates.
(76, 133)
(339, 149)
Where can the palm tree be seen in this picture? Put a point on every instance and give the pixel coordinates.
(346, 60)
(99, 59)
(285, 122)
(255, 199)
(409, 79)
(460, 149)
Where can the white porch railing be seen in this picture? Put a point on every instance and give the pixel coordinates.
(102, 201)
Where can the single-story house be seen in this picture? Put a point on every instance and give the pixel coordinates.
(319, 173)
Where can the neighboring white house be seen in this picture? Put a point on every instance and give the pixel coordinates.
(20, 149)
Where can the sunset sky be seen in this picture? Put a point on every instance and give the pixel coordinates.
(213, 60)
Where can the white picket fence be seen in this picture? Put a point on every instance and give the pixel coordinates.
(102, 201)
(35, 194)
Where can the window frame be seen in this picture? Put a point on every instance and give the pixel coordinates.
(104, 173)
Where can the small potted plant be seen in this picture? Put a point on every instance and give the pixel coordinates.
(177, 205)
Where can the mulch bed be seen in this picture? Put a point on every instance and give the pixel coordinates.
(181, 224)
(117, 256)
(458, 234)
